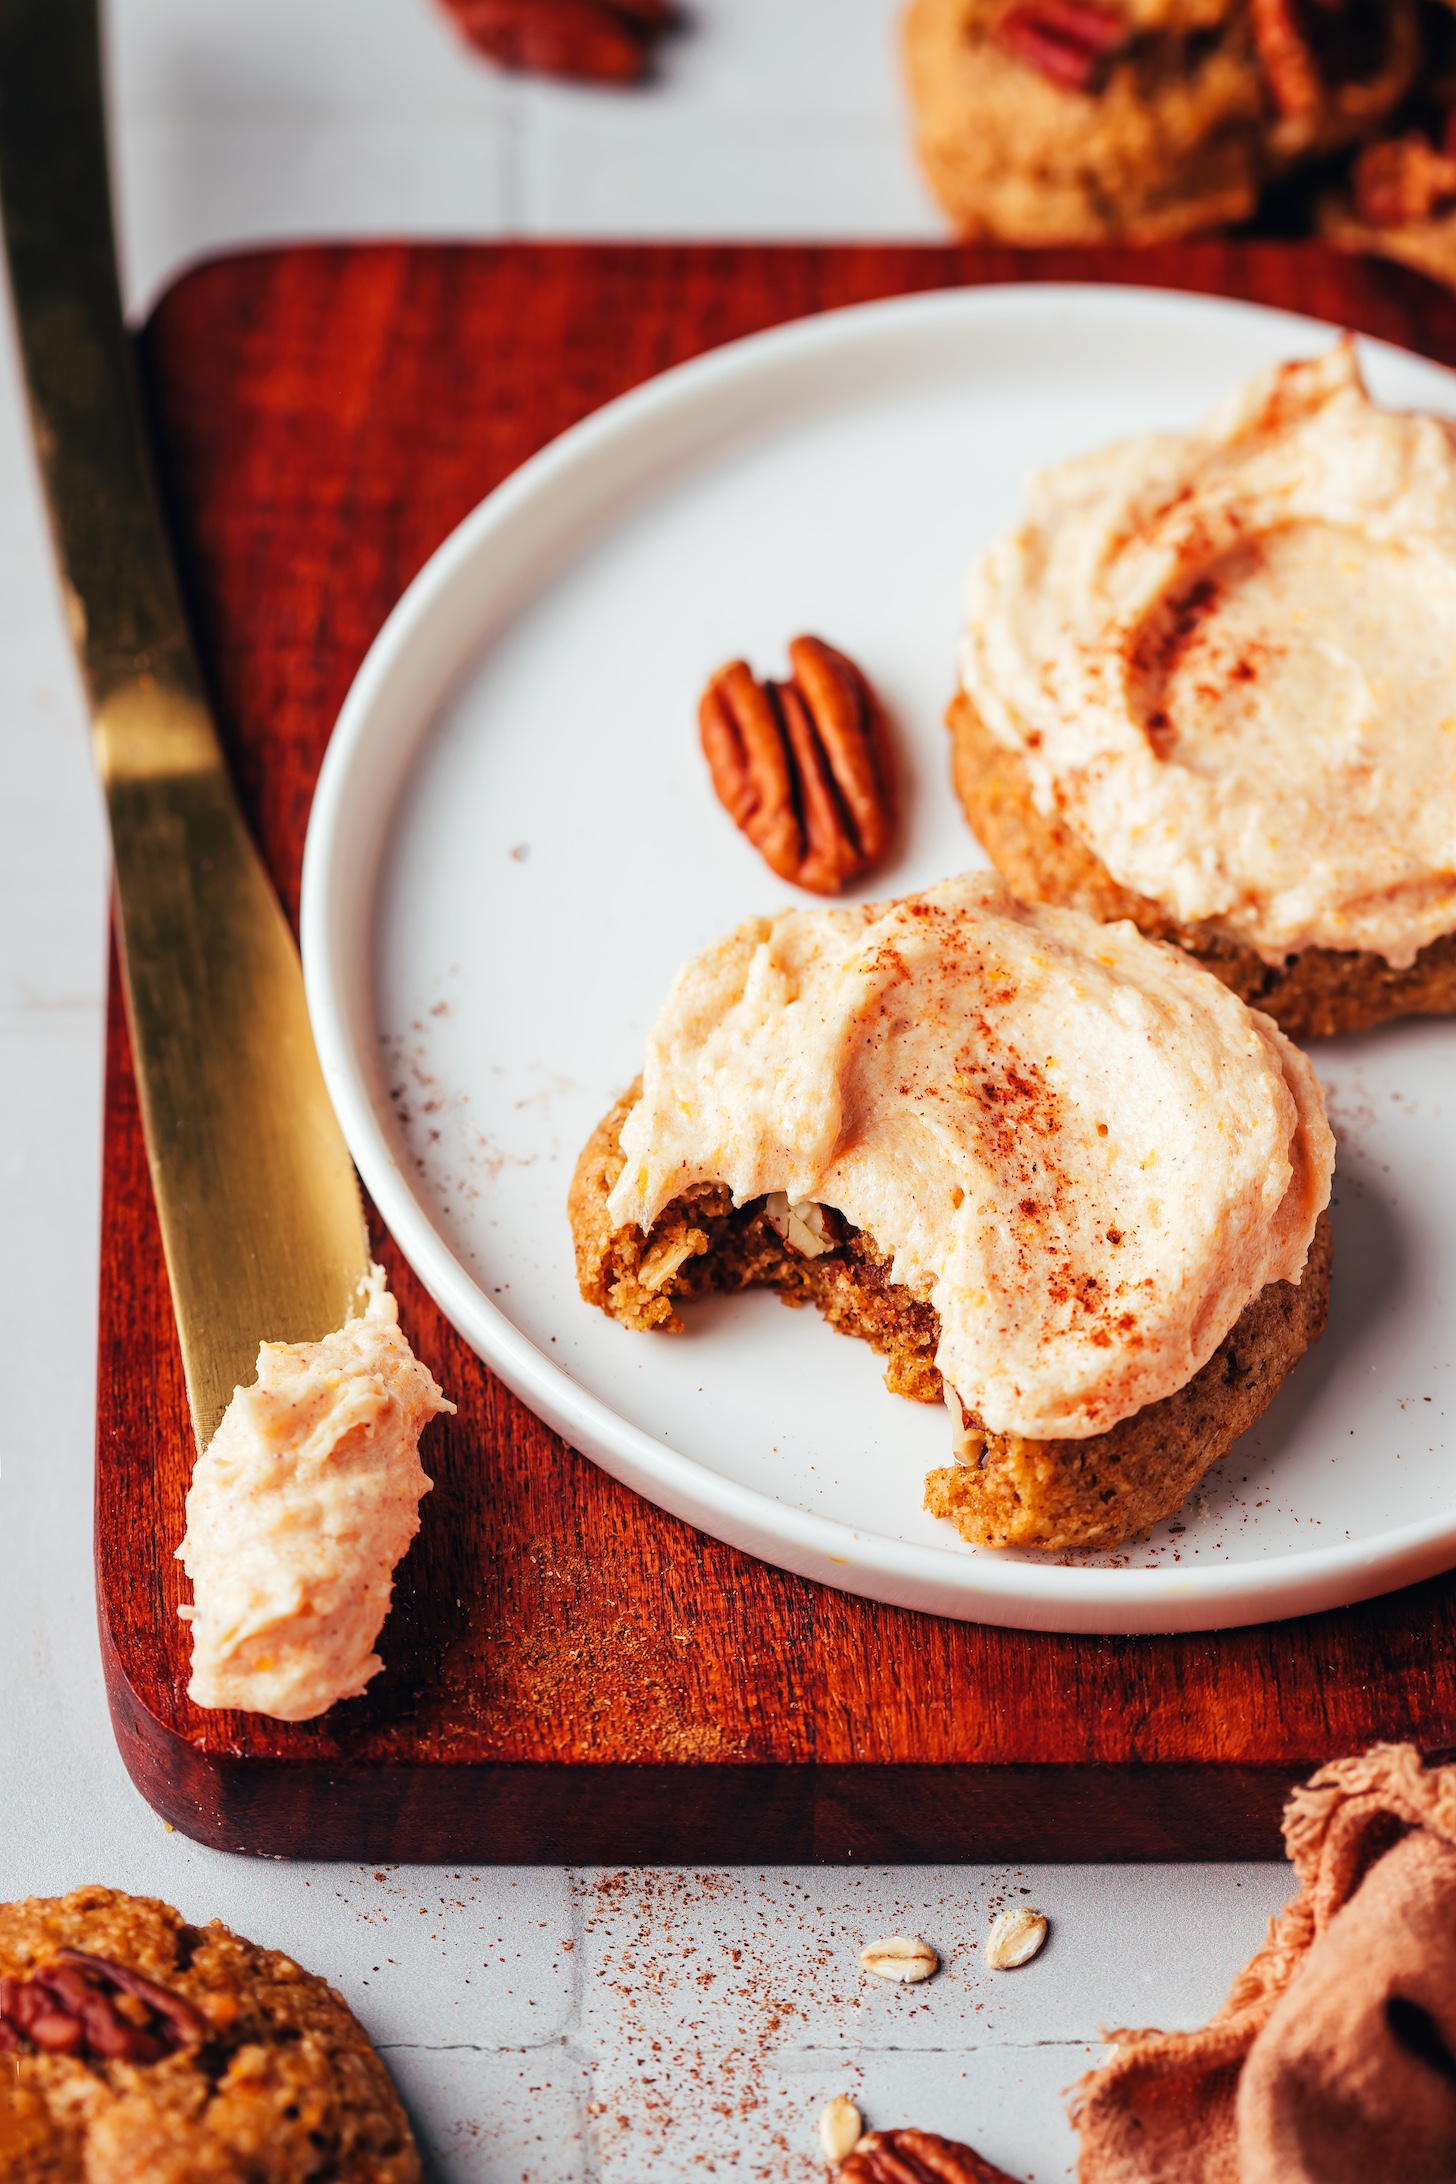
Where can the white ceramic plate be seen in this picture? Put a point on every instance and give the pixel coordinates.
(514, 844)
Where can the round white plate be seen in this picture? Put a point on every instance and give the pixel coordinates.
(514, 844)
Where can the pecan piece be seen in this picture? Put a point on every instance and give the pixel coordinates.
(1403, 180)
(841, 2127)
(69, 2008)
(1068, 41)
(1312, 50)
(917, 2157)
(1285, 57)
(803, 767)
(588, 41)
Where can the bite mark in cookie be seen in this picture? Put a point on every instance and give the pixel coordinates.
(702, 1244)
(1056, 1167)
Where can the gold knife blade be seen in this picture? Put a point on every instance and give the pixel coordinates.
(260, 1211)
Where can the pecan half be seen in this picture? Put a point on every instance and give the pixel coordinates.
(589, 41)
(917, 2157)
(71, 2008)
(803, 767)
(1067, 41)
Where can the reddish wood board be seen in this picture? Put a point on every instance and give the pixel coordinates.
(571, 1674)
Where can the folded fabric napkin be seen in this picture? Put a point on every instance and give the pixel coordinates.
(1334, 2057)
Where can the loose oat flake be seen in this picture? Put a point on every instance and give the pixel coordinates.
(839, 2128)
(1015, 1938)
(903, 1956)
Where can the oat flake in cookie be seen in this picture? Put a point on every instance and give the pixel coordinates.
(135, 2049)
(1060, 1176)
(1208, 685)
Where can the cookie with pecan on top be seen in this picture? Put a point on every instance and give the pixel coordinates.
(141, 2050)
(1083, 121)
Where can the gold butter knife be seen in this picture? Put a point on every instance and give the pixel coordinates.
(259, 1206)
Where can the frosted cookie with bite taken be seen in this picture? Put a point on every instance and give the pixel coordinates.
(1210, 685)
(1057, 1174)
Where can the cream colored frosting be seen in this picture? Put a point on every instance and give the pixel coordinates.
(1228, 659)
(301, 1505)
(1084, 1150)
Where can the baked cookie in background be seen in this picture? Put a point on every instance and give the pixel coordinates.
(1207, 687)
(1043, 122)
(136, 2049)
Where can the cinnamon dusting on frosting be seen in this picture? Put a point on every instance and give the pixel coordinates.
(1079, 1147)
(1228, 661)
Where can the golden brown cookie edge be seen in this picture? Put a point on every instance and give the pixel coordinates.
(1102, 1491)
(1316, 994)
(1084, 1498)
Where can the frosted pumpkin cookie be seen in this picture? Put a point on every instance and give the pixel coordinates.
(136, 2049)
(1081, 121)
(1057, 1174)
(1210, 685)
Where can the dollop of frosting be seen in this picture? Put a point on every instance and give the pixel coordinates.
(1078, 1145)
(1228, 660)
(302, 1503)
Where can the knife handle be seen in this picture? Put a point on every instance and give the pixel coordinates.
(259, 1207)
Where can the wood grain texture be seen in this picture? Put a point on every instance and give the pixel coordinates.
(570, 1674)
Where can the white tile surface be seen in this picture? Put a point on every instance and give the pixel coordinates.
(774, 1954)
(514, 2116)
(722, 2010)
(585, 2028)
(242, 121)
(251, 121)
(778, 120)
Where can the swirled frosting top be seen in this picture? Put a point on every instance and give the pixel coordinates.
(1078, 1145)
(1228, 660)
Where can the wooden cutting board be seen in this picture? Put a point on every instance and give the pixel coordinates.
(571, 1675)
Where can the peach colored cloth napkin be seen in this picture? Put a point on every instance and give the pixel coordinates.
(1333, 2060)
